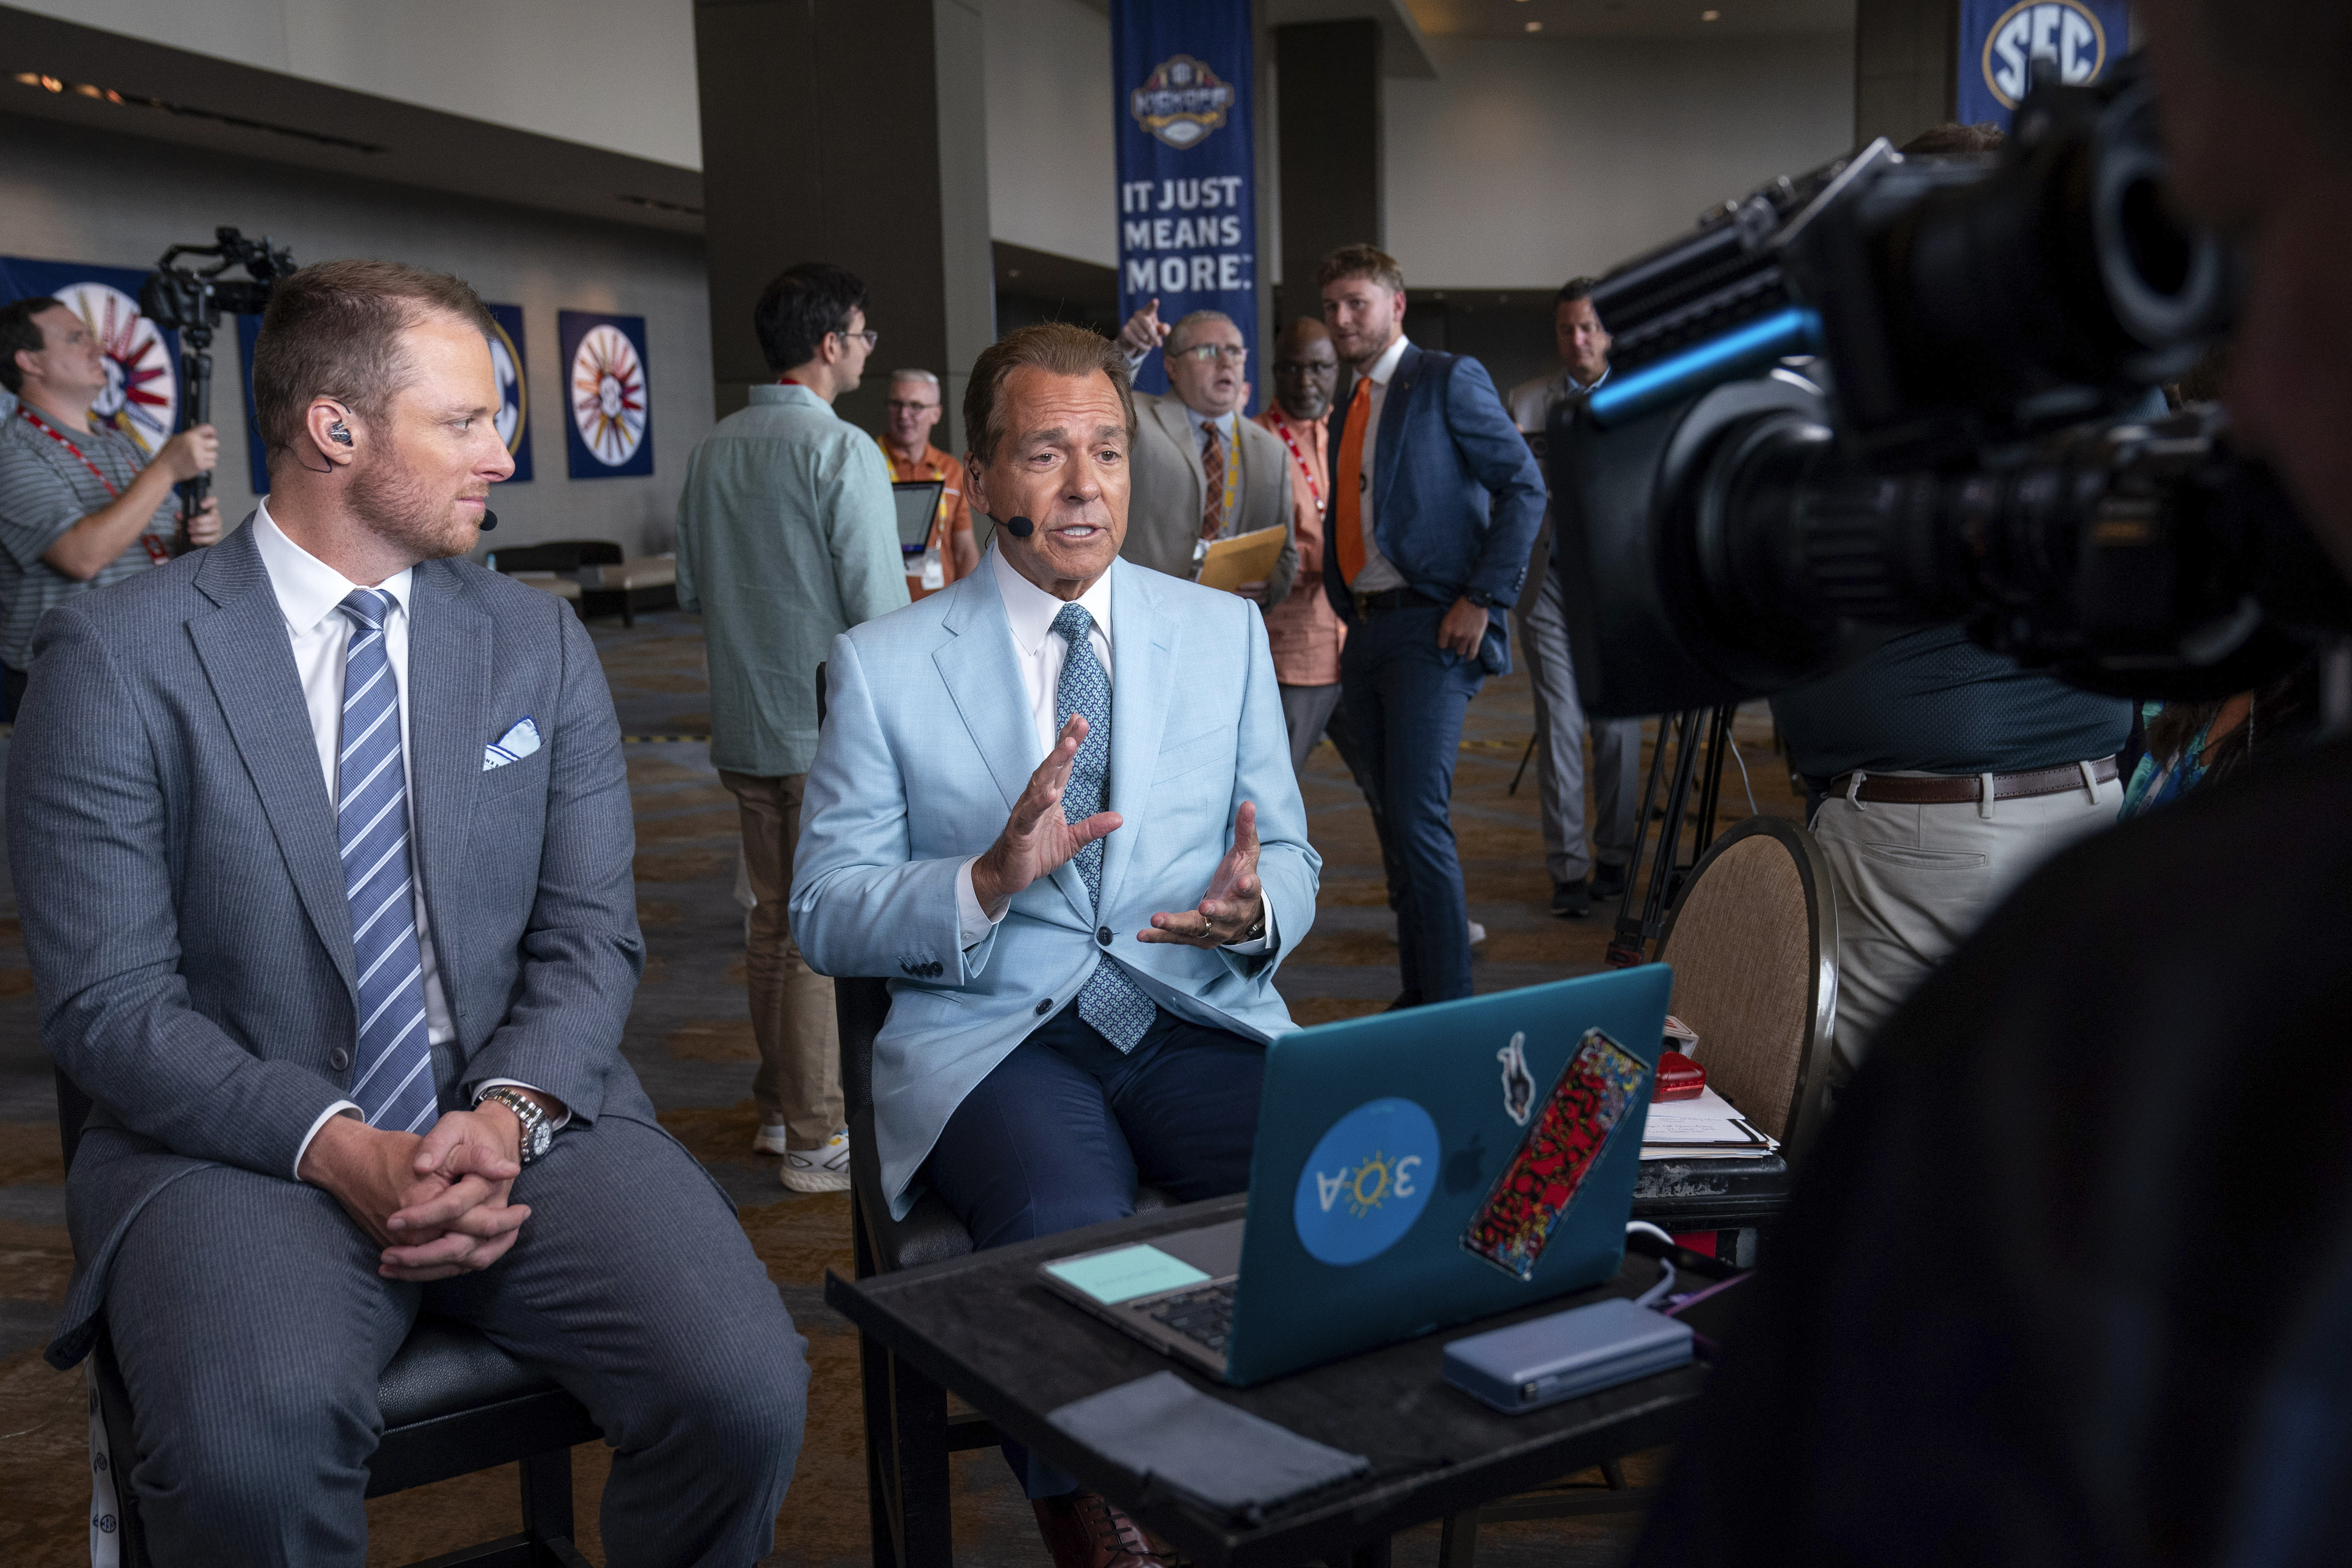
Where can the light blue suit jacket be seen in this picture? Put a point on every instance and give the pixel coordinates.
(929, 741)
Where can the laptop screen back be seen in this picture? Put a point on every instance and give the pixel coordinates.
(1377, 1205)
(918, 503)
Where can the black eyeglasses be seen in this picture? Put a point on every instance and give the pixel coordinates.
(869, 337)
(1231, 353)
(1302, 366)
(898, 405)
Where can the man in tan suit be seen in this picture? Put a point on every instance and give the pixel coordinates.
(1200, 470)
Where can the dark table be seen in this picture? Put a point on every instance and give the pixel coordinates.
(982, 1327)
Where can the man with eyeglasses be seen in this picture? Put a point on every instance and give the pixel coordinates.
(1202, 472)
(786, 538)
(910, 417)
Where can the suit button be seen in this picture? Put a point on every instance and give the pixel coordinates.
(1102, 935)
(1046, 1006)
(339, 1058)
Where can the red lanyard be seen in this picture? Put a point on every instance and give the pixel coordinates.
(158, 552)
(1314, 491)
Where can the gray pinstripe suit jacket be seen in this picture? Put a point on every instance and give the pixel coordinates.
(177, 864)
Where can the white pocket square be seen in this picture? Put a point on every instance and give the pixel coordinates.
(511, 747)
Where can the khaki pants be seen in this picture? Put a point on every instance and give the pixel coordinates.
(799, 1082)
(1913, 882)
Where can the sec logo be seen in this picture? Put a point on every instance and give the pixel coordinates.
(2066, 31)
(1366, 1183)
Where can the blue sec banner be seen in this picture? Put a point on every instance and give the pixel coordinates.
(143, 361)
(256, 450)
(1187, 206)
(2000, 39)
(514, 389)
(608, 428)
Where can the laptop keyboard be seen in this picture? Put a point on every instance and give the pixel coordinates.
(1205, 1314)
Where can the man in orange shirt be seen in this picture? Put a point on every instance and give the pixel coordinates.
(913, 409)
(1305, 631)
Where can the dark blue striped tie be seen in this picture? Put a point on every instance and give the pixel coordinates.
(394, 1088)
(1110, 1001)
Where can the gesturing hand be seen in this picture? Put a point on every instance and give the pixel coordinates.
(1144, 331)
(1036, 840)
(1233, 903)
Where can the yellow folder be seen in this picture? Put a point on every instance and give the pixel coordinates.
(1244, 558)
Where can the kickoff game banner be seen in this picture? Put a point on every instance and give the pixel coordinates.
(1187, 201)
(2000, 39)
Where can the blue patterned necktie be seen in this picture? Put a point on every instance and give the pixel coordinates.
(1112, 1003)
(394, 1088)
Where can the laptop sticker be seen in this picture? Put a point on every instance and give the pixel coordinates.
(1366, 1183)
(1518, 1083)
(1601, 1083)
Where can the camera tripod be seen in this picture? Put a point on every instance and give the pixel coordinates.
(1691, 735)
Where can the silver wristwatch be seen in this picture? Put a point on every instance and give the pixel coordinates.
(536, 1133)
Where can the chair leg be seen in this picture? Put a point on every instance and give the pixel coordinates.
(547, 1516)
(881, 1474)
(919, 1442)
(1613, 1474)
(1457, 1543)
(1375, 1555)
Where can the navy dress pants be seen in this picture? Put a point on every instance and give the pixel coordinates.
(1405, 699)
(1059, 1135)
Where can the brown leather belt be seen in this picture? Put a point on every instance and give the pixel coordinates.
(1968, 788)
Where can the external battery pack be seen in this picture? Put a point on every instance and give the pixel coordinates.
(1532, 1365)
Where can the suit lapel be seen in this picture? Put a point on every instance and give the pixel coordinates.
(450, 645)
(1170, 414)
(1390, 445)
(249, 665)
(1143, 660)
(984, 682)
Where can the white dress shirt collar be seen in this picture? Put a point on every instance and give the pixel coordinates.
(309, 590)
(1385, 366)
(1032, 610)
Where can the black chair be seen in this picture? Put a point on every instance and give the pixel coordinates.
(453, 1403)
(910, 1431)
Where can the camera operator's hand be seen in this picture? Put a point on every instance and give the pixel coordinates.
(205, 528)
(1464, 628)
(190, 453)
(1144, 331)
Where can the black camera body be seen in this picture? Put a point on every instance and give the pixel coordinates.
(1899, 392)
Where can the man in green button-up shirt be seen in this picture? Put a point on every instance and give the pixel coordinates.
(787, 537)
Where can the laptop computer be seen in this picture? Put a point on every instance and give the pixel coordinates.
(1412, 1170)
(918, 504)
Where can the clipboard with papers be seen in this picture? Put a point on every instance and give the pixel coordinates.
(1244, 557)
(1706, 1128)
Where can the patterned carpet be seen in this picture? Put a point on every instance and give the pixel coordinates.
(689, 1038)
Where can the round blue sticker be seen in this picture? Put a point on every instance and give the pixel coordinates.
(1367, 1181)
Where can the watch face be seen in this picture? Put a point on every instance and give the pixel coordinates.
(541, 1137)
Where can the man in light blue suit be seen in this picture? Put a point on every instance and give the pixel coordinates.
(1055, 804)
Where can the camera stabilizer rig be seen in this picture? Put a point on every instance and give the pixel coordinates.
(190, 300)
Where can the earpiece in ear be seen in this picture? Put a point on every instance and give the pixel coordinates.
(1019, 527)
(336, 432)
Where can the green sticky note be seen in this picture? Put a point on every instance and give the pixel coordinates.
(1111, 1277)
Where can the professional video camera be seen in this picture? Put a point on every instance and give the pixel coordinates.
(1898, 392)
(189, 300)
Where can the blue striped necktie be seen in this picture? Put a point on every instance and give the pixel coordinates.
(394, 1088)
(1114, 1004)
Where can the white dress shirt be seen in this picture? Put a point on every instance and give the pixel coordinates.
(1379, 574)
(310, 595)
(1039, 654)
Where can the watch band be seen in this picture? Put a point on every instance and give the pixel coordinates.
(527, 1111)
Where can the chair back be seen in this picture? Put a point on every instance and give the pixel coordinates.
(860, 1004)
(1752, 937)
(556, 555)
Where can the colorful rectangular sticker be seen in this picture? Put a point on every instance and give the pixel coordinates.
(1601, 1083)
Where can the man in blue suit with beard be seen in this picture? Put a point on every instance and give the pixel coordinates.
(1055, 804)
(1435, 500)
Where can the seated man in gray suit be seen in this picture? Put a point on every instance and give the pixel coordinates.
(1201, 470)
(336, 924)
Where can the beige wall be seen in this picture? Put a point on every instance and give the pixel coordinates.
(615, 74)
(1526, 162)
(1052, 171)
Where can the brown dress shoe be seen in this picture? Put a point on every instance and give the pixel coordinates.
(1083, 1530)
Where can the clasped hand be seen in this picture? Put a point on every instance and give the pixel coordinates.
(1037, 840)
(437, 1203)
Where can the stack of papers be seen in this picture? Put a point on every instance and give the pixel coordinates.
(1706, 1127)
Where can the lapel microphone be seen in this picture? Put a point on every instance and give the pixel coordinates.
(1019, 527)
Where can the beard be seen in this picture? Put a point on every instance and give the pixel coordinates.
(398, 507)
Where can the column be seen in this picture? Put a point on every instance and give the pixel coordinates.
(1904, 67)
(1328, 92)
(854, 134)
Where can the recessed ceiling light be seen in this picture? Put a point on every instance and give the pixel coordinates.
(1534, 26)
(1710, 15)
